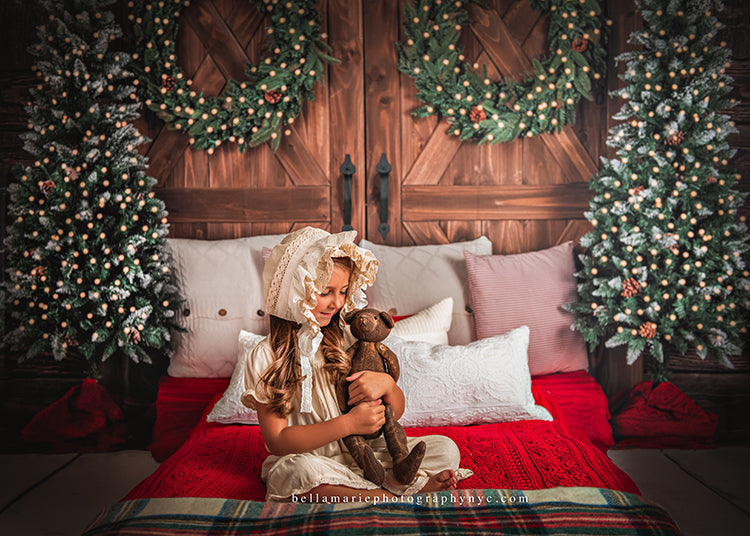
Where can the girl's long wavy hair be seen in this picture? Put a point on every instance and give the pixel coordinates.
(283, 378)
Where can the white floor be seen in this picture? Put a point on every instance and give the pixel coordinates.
(706, 491)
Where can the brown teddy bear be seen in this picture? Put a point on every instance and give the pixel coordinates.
(370, 327)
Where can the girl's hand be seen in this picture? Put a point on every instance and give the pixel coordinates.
(369, 386)
(366, 418)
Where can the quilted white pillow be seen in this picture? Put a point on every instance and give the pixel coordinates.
(222, 282)
(485, 381)
(229, 409)
(411, 278)
(429, 325)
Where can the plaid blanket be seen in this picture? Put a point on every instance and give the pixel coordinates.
(554, 511)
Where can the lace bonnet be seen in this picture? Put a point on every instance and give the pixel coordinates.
(298, 269)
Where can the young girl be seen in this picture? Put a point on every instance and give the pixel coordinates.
(312, 279)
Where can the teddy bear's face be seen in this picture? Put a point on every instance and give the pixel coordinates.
(370, 325)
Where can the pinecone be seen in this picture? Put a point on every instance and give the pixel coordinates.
(168, 82)
(580, 44)
(477, 114)
(676, 138)
(648, 330)
(70, 341)
(135, 336)
(711, 180)
(630, 288)
(38, 271)
(273, 96)
(46, 186)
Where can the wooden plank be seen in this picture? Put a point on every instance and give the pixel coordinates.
(383, 112)
(219, 205)
(437, 154)
(299, 163)
(498, 41)
(245, 21)
(218, 40)
(570, 154)
(574, 230)
(539, 165)
(190, 50)
(429, 203)
(14, 94)
(610, 367)
(346, 107)
(425, 232)
(521, 19)
(690, 362)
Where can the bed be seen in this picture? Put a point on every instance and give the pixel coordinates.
(485, 361)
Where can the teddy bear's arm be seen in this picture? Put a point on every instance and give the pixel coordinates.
(390, 360)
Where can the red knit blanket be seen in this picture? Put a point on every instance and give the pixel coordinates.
(224, 460)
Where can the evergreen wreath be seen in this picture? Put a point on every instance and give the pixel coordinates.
(494, 112)
(249, 112)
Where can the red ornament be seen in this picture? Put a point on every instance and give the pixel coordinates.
(477, 114)
(273, 96)
(580, 44)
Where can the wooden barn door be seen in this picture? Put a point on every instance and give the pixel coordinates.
(232, 194)
(524, 195)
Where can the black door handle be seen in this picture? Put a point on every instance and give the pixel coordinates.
(383, 169)
(347, 170)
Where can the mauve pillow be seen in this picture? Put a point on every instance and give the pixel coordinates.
(508, 291)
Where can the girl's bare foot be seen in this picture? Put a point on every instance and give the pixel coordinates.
(440, 481)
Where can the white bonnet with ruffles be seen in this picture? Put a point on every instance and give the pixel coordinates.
(298, 268)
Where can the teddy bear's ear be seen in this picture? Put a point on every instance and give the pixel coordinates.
(350, 315)
(387, 319)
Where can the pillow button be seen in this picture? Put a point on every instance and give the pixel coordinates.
(261, 312)
(186, 312)
(469, 309)
(222, 312)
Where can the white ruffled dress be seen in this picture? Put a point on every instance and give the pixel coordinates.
(296, 474)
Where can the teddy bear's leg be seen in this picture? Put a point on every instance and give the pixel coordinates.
(405, 463)
(365, 459)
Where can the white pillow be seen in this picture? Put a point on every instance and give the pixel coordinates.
(229, 409)
(411, 278)
(428, 325)
(482, 382)
(222, 282)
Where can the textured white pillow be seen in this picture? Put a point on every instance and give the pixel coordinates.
(229, 409)
(411, 278)
(482, 382)
(222, 282)
(428, 325)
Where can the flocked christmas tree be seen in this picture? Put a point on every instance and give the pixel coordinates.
(664, 268)
(88, 263)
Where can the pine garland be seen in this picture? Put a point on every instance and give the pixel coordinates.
(664, 269)
(250, 112)
(493, 112)
(88, 261)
